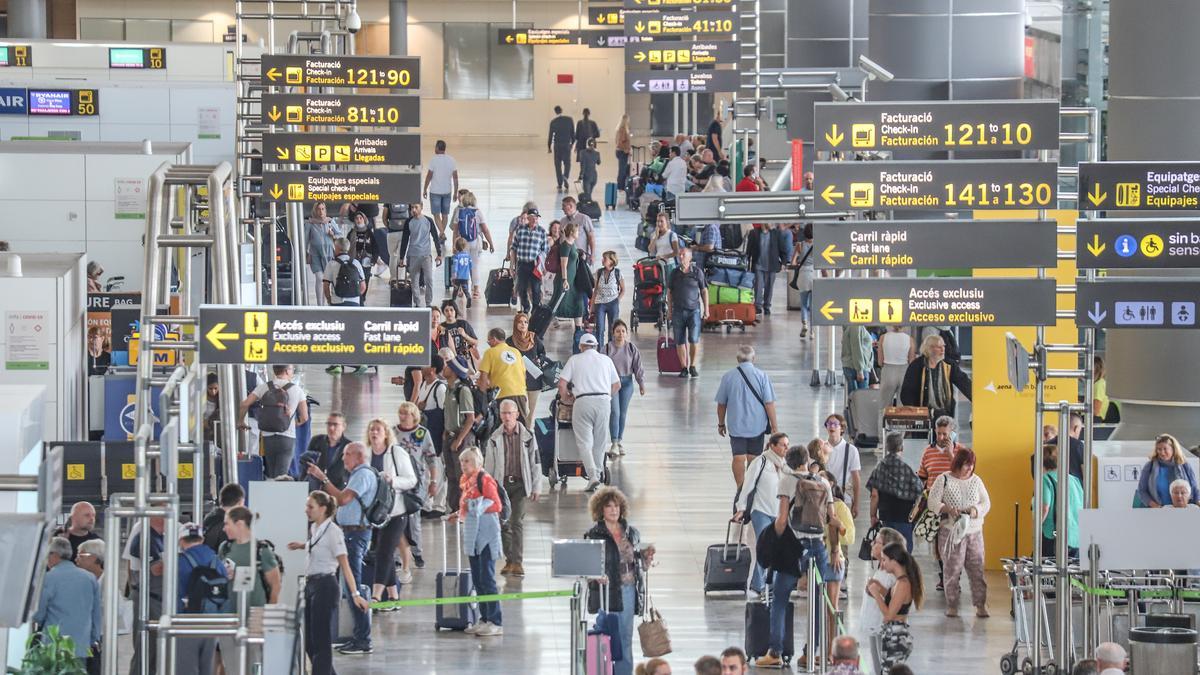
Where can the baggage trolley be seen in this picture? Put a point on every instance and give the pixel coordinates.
(1020, 582)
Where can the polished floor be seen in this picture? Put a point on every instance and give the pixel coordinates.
(676, 475)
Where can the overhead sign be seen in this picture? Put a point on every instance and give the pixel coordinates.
(1137, 303)
(606, 15)
(538, 37)
(1114, 243)
(605, 39)
(16, 56)
(315, 336)
(682, 81)
(1139, 186)
(937, 125)
(77, 102)
(368, 110)
(682, 24)
(341, 186)
(137, 58)
(680, 4)
(935, 185)
(946, 301)
(694, 208)
(319, 70)
(359, 148)
(683, 53)
(898, 244)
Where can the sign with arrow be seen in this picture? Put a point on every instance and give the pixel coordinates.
(1137, 303)
(682, 81)
(320, 70)
(605, 39)
(1139, 186)
(606, 15)
(315, 336)
(683, 53)
(538, 37)
(701, 208)
(901, 244)
(341, 186)
(683, 24)
(970, 184)
(361, 148)
(365, 110)
(679, 4)
(937, 125)
(945, 301)
(1113, 243)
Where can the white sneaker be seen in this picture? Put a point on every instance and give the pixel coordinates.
(620, 448)
(405, 576)
(474, 628)
(612, 450)
(488, 629)
(592, 485)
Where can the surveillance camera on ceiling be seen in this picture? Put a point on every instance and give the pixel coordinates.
(353, 21)
(875, 70)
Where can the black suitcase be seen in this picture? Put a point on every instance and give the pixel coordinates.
(758, 630)
(401, 293)
(610, 196)
(543, 315)
(451, 584)
(727, 565)
(589, 208)
(499, 289)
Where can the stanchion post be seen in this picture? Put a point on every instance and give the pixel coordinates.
(1062, 511)
(814, 606)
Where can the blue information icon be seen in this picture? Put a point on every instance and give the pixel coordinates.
(1126, 245)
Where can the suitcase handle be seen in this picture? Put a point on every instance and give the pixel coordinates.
(446, 546)
(725, 547)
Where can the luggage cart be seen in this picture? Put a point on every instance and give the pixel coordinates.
(1020, 583)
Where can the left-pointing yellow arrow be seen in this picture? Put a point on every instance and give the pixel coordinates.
(829, 311)
(831, 254)
(216, 336)
(273, 74)
(828, 194)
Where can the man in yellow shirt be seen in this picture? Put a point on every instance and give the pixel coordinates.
(503, 368)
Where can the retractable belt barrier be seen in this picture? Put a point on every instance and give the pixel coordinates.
(1142, 595)
(466, 599)
(841, 627)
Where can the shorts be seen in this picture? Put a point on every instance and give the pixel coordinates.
(747, 446)
(439, 204)
(687, 326)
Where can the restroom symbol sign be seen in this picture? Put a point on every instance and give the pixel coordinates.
(1132, 473)
(1112, 473)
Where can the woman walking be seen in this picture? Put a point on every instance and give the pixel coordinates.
(530, 345)
(962, 501)
(479, 508)
(609, 289)
(895, 489)
(628, 360)
(571, 305)
(804, 261)
(624, 144)
(397, 468)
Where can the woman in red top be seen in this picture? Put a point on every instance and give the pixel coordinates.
(479, 508)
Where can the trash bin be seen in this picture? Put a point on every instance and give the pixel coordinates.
(1162, 650)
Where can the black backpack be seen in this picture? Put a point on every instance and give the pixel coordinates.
(207, 589)
(505, 505)
(260, 546)
(274, 415)
(348, 278)
(379, 511)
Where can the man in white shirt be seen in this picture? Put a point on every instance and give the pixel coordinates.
(592, 379)
(441, 185)
(844, 462)
(278, 441)
(674, 175)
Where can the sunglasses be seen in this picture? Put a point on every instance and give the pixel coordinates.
(833, 424)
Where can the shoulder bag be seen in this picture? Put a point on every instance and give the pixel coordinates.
(652, 631)
(767, 431)
(868, 540)
(927, 522)
(749, 496)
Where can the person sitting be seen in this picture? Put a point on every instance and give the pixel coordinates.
(1181, 494)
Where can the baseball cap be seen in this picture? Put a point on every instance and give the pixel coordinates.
(533, 212)
(192, 531)
(588, 339)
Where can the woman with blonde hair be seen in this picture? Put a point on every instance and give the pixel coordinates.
(1167, 464)
(624, 144)
(930, 380)
(417, 441)
(392, 462)
(468, 222)
(606, 298)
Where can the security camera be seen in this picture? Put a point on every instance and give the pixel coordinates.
(838, 93)
(353, 21)
(875, 70)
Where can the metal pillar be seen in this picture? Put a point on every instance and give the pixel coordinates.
(398, 26)
(27, 19)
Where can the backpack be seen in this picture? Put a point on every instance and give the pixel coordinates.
(468, 223)
(274, 415)
(348, 278)
(484, 418)
(379, 511)
(731, 235)
(553, 262)
(260, 546)
(207, 589)
(505, 505)
(810, 508)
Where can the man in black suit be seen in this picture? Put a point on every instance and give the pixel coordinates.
(768, 249)
(585, 130)
(560, 140)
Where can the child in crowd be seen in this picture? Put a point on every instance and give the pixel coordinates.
(461, 264)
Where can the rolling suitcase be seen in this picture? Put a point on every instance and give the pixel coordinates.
(862, 418)
(499, 289)
(566, 453)
(589, 207)
(401, 292)
(758, 629)
(668, 358)
(457, 583)
(543, 315)
(598, 654)
(727, 565)
(610, 196)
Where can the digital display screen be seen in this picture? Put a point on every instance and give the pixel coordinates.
(153, 58)
(49, 102)
(20, 56)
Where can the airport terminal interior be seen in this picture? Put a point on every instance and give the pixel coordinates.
(599, 336)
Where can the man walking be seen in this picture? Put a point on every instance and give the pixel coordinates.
(511, 457)
(528, 243)
(688, 300)
(560, 140)
(441, 185)
(417, 246)
(284, 405)
(592, 379)
(459, 421)
(358, 493)
(326, 451)
(768, 249)
(503, 367)
(587, 230)
(745, 410)
(585, 130)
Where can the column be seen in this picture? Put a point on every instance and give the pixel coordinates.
(398, 27)
(27, 19)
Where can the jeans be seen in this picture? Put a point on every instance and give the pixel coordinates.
(357, 543)
(606, 314)
(483, 570)
(760, 522)
(620, 408)
(320, 621)
(764, 288)
(622, 169)
(686, 323)
(420, 273)
(781, 588)
(529, 287)
(904, 528)
(805, 306)
(852, 381)
(277, 454)
(627, 616)
(475, 250)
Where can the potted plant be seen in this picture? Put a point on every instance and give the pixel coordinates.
(51, 653)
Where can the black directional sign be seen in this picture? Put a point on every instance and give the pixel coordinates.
(315, 336)
(538, 37)
(934, 302)
(937, 125)
(606, 15)
(605, 38)
(682, 24)
(682, 53)
(341, 186)
(1139, 186)
(366, 110)
(360, 148)
(16, 56)
(899, 244)
(682, 81)
(319, 70)
(1113, 243)
(1137, 303)
(935, 185)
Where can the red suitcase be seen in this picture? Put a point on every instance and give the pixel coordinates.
(668, 358)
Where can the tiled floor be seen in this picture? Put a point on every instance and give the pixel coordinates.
(676, 475)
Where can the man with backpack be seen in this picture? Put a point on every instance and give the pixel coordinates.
(460, 415)
(344, 281)
(354, 502)
(284, 405)
(204, 588)
(268, 576)
(805, 509)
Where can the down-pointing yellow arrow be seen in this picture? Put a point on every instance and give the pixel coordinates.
(831, 254)
(829, 311)
(1096, 197)
(834, 137)
(282, 153)
(274, 114)
(275, 191)
(829, 195)
(216, 336)
(1095, 247)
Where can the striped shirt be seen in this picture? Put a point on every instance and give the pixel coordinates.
(935, 462)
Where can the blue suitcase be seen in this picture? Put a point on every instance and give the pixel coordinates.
(452, 584)
(250, 470)
(610, 196)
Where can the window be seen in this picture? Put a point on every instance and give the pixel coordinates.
(146, 30)
(477, 67)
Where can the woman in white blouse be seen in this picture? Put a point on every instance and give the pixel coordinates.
(962, 500)
(758, 495)
(326, 555)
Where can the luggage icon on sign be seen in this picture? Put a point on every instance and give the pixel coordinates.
(862, 195)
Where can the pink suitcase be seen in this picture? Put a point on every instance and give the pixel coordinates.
(598, 655)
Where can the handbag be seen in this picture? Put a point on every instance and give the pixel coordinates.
(868, 540)
(652, 631)
(927, 523)
(767, 431)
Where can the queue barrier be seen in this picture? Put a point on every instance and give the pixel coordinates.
(468, 599)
